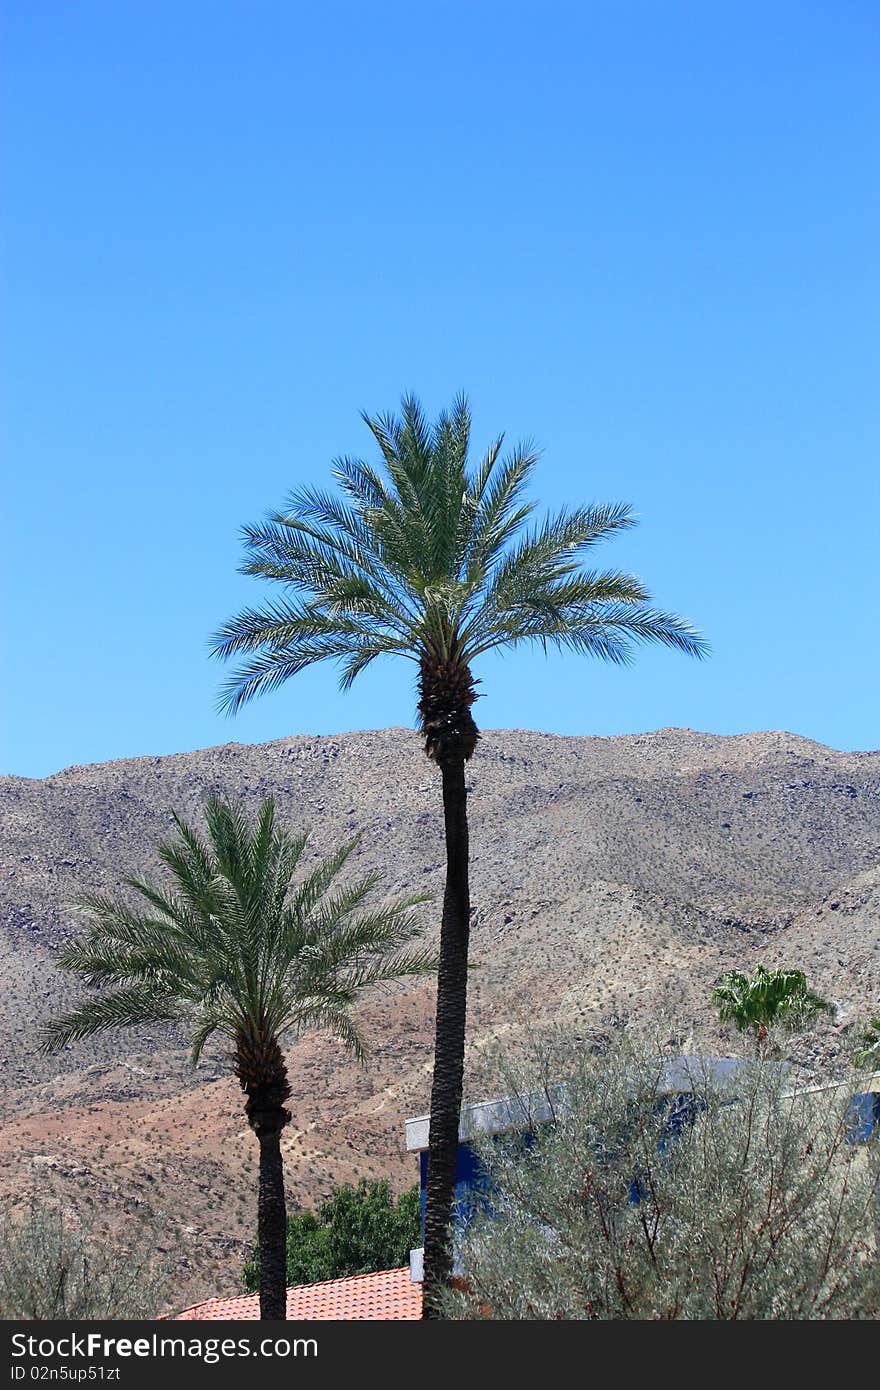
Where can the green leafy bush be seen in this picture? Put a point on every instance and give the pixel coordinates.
(357, 1230)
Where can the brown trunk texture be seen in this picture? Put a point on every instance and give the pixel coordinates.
(446, 1090)
(446, 695)
(260, 1066)
(272, 1227)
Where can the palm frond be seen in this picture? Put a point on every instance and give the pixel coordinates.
(133, 1006)
(234, 943)
(868, 1052)
(772, 996)
(205, 1024)
(427, 558)
(340, 1023)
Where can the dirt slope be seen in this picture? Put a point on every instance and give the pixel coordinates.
(611, 877)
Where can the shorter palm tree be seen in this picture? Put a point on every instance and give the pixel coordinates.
(234, 948)
(771, 998)
(868, 1054)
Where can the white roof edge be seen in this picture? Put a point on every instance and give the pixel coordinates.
(859, 1086)
(509, 1112)
(488, 1117)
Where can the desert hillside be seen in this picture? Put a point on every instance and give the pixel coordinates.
(611, 877)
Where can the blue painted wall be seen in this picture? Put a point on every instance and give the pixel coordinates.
(472, 1185)
(863, 1117)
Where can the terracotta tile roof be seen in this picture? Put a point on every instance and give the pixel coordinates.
(389, 1296)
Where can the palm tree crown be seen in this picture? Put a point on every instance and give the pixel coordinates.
(431, 560)
(235, 947)
(771, 997)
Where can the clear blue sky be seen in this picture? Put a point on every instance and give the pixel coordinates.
(644, 233)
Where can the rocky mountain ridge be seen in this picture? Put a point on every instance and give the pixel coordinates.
(611, 877)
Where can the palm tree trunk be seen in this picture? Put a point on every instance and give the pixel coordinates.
(262, 1073)
(272, 1224)
(446, 1091)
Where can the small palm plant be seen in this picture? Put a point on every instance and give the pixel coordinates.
(437, 560)
(868, 1054)
(776, 997)
(234, 948)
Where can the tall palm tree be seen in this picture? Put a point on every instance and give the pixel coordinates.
(235, 948)
(433, 560)
(772, 997)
